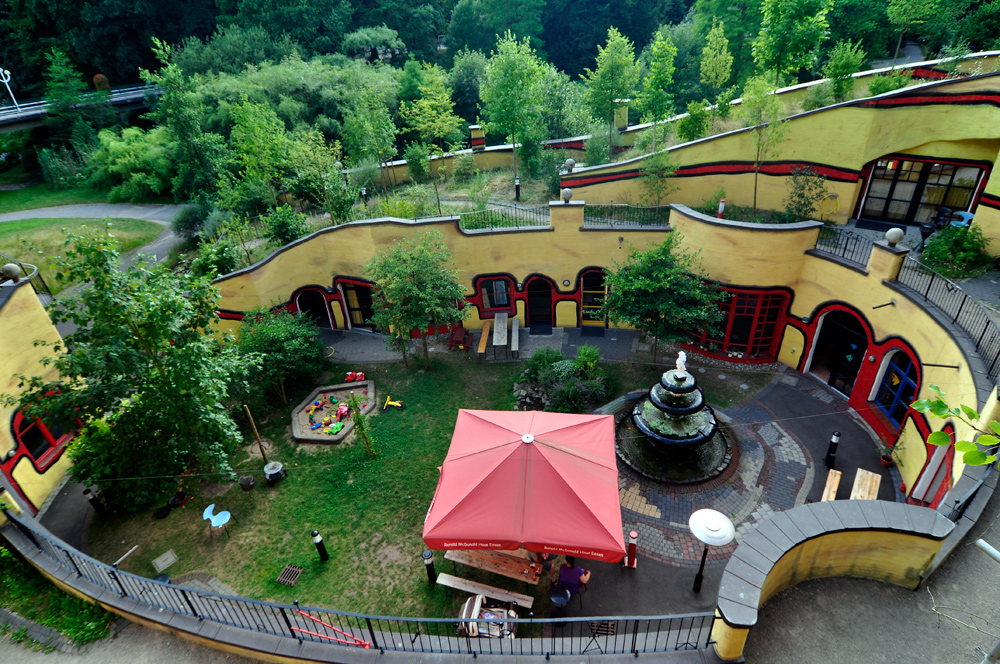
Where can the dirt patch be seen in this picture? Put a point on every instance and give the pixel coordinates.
(211, 490)
(391, 555)
(253, 449)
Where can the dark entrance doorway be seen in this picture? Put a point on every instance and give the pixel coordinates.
(312, 304)
(539, 307)
(359, 306)
(840, 350)
(592, 294)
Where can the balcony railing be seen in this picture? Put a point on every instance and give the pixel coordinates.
(844, 244)
(561, 636)
(506, 217)
(625, 216)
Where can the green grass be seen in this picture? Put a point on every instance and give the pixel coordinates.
(24, 239)
(27, 593)
(370, 511)
(42, 195)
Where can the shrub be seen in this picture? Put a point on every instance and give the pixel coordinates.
(290, 347)
(540, 360)
(957, 252)
(465, 166)
(214, 220)
(818, 96)
(365, 174)
(888, 82)
(845, 59)
(598, 149)
(188, 222)
(479, 191)
(724, 105)
(808, 189)
(416, 160)
(216, 258)
(587, 358)
(61, 168)
(135, 164)
(285, 225)
(694, 125)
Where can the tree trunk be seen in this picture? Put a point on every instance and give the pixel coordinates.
(284, 398)
(756, 171)
(899, 43)
(427, 354)
(406, 362)
(513, 142)
(656, 342)
(437, 194)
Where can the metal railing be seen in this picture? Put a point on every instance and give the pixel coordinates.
(963, 310)
(848, 245)
(32, 274)
(507, 217)
(38, 108)
(620, 215)
(560, 636)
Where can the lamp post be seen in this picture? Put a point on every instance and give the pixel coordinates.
(517, 188)
(5, 77)
(712, 528)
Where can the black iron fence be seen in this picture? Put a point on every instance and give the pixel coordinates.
(507, 217)
(848, 245)
(522, 636)
(620, 216)
(963, 310)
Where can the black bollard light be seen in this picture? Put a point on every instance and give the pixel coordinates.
(831, 452)
(364, 195)
(318, 541)
(517, 188)
(428, 557)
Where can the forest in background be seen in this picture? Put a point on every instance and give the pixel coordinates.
(262, 98)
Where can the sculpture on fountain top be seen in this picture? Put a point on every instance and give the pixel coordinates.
(682, 362)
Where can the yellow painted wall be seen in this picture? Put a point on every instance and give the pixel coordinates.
(566, 314)
(792, 346)
(25, 321)
(847, 137)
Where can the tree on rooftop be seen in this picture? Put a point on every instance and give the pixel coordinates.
(904, 15)
(145, 367)
(716, 63)
(656, 99)
(415, 288)
(659, 292)
(790, 35)
(615, 78)
(512, 92)
(762, 111)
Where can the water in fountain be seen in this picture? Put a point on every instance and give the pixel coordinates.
(672, 434)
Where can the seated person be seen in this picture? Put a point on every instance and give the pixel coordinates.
(571, 577)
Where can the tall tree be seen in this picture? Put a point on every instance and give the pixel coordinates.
(716, 63)
(512, 92)
(741, 20)
(289, 346)
(416, 287)
(144, 355)
(522, 18)
(790, 35)
(761, 110)
(71, 108)
(656, 98)
(369, 130)
(661, 293)
(908, 14)
(432, 115)
(259, 143)
(616, 77)
(863, 21)
(468, 70)
(318, 26)
(471, 28)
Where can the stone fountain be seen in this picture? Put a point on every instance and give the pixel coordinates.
(672, 435)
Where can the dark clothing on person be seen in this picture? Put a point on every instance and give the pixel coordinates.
(569, 578)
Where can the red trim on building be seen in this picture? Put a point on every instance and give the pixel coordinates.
(928, 99)
(927, 72)
(721, 168)
(55, 451)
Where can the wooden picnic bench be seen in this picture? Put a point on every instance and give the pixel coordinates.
(514, 338)
(476, 588)
(866, 485)
(508, 564)
(832, 483)
(483, 340)
(460, 338)
(499, 333)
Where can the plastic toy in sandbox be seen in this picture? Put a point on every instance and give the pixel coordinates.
(324, 416)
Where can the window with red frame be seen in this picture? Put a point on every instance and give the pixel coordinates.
(751, 323)
(37, 438)
(495, 294)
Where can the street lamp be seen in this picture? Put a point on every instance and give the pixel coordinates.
(712, 529)
(5, 77)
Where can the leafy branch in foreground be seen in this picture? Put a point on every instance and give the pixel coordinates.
(974, 453)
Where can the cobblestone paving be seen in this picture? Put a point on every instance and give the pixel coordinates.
(774, 474)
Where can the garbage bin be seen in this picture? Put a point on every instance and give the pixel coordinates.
(247, 482)
(273, 472)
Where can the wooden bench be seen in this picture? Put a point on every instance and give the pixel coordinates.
(515, 324)
(832, 482)
(476, 588)
(866, 485)
(483, 340)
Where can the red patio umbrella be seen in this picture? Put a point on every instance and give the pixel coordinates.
(547, 481)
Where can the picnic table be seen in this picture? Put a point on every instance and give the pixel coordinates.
(499, 333)
(505, 563)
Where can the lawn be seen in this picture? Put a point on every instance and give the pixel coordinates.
(30, 595)
(370, 511)
(42, 195)
(40, 241)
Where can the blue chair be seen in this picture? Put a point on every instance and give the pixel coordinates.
(965, 219)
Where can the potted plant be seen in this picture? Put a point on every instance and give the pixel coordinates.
(887, 453)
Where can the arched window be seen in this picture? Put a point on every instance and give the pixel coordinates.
(40, 441)
(898, 388)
